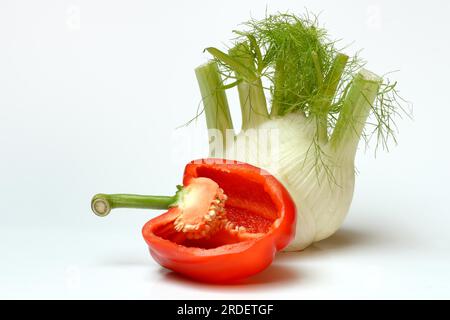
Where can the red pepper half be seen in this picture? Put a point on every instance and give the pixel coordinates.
(226, 223)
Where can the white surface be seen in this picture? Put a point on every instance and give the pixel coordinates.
(90, 95)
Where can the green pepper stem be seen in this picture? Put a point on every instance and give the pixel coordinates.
(102, 204)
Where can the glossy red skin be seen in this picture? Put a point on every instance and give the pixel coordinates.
(230, 262)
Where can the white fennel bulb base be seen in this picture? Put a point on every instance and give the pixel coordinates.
(322, 204)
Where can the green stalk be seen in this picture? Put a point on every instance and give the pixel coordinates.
(355, 111)
(102, 204)
(251, 92)
(278, 92)
(328, 91)
(214, 100)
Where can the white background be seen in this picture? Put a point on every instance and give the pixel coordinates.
(91, 93)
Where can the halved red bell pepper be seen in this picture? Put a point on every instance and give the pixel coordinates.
(226, 222)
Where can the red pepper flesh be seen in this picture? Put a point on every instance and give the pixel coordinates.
(260, 217)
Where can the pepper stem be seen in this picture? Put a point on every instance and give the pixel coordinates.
(102, 204)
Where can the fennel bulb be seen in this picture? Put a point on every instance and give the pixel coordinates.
(321, 204)
(321, 100)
